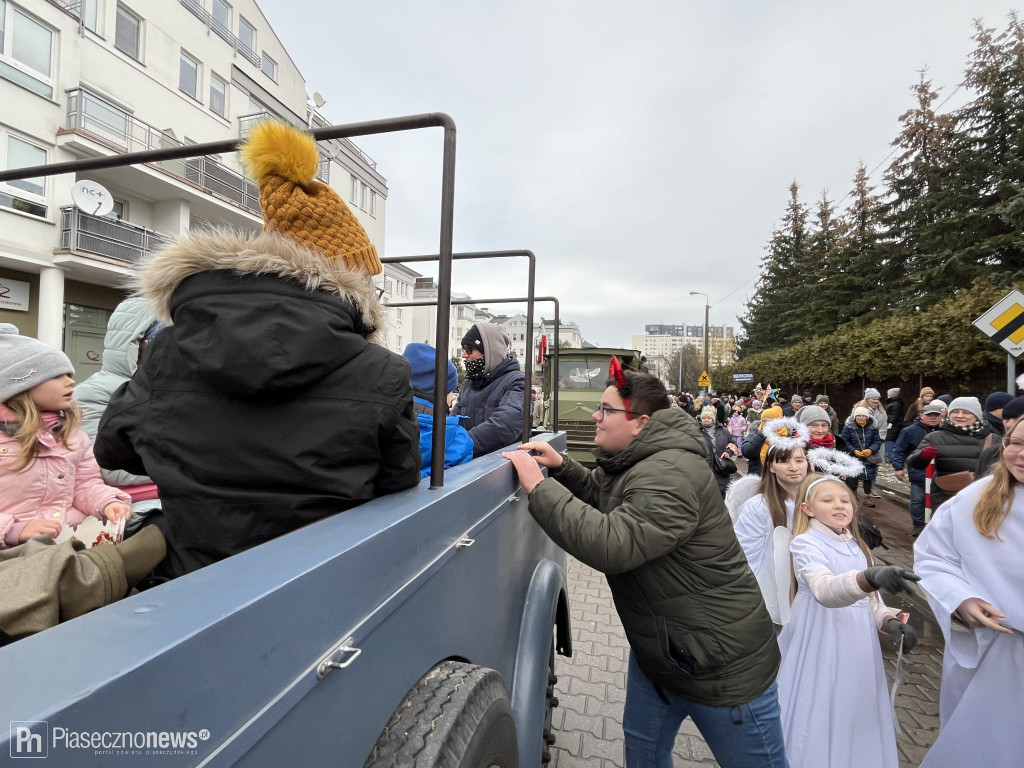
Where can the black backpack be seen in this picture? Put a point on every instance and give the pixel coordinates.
(869, 532)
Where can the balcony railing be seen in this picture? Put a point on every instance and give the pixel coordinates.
(100, 236)
(92, 115)
(221, 31)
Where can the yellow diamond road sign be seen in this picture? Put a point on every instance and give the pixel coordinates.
(1004, 323)
(704, 380)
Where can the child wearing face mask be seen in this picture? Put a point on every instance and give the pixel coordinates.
(832, 687)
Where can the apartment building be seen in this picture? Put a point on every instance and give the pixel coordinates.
(93, 78)
(663, 341)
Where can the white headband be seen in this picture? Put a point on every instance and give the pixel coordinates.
(820, 480)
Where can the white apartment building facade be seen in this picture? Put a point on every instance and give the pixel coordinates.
(424, 319)
(95, 78)
(663, 341)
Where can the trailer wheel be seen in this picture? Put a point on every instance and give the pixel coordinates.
(457, 716)
(551, 701)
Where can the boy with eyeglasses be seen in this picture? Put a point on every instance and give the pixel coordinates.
(651, 518)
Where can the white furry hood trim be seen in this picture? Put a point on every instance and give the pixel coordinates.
(261, 254)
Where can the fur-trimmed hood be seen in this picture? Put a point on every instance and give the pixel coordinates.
(261, 254)
(256, 315)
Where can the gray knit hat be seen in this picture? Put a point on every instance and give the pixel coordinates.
(871, 392)
(971, 404)
(26, 362)
(811, 413)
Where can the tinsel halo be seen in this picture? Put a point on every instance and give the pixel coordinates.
(833, 462)
(796, 436)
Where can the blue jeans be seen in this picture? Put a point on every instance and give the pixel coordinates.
(745, 736)
(917, 504)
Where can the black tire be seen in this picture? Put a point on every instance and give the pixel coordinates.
(551, 701)
(457, 716)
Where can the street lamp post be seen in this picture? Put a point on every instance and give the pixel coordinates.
(707, 330)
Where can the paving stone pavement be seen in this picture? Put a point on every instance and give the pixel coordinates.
(591, 686)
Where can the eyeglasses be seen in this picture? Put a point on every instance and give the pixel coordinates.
(1012, 444)
(604, 410)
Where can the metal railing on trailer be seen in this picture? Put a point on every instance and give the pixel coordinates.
(444, 257)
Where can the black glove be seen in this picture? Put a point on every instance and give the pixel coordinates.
(898, 629)
(892, 578)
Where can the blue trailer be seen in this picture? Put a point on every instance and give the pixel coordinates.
(417, 629)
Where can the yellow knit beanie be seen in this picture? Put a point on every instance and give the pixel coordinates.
(284, 162)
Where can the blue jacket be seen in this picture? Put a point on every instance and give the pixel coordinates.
(493, 406)
(910, 437)
(859, 438)
(458, 446)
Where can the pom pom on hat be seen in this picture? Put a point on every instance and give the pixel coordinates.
(422, 357)
(284, 162)
(26, 362)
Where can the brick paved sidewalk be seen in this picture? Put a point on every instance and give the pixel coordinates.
(592, 688)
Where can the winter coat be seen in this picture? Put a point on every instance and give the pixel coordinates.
(721, 442)
(910, 437)
(129, 321)
(494, 407)
(958, 452)
(879, 418)
(860, 438)
(652, 520)
(61, 484)
(894, 411)
(458, 445)
(834, 427)
(265, 405)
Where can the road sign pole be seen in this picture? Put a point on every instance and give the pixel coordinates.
(1011, 374)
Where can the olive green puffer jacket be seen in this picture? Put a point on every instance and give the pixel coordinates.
(652, 520)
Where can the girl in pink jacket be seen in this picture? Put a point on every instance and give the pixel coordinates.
(48, 474)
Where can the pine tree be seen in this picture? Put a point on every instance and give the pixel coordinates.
(823, 283)
(865, 270)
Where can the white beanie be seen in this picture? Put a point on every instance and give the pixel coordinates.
(862, 411)
(26, 362)
(871, 392)
(971, 404)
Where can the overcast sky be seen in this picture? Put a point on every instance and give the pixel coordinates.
(641, 150)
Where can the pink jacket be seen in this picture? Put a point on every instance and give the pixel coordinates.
(59, 484)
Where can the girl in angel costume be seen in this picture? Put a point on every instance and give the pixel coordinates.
(969, 559)
(832, 687)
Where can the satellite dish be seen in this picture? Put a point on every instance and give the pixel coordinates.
(318, 99)
(92, 198)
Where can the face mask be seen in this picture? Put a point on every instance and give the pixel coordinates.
(475, 368)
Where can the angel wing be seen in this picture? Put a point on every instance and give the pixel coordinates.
(781, 539)
(739, 493)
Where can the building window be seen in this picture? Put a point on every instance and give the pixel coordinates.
(354, 191)
(25, 195)
(188, 75)
(26, 50)
(89, 10)
(119, 212)
(269, 67)
(222, 14)
(127, 33)
(218, 95)
(369, 201)
(246, 34)
(398, 314)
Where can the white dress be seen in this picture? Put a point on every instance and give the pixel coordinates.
(767, 551)
(981, 720)
(832, 687)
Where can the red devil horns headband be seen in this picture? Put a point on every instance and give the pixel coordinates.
(621, 383)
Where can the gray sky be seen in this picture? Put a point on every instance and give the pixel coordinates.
(641, 150)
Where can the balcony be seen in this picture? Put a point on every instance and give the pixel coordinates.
(99, 236)
(221, 31)
(91, 115)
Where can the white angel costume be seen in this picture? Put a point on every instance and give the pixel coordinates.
(980, 717)
(767, 551)
(832, 687)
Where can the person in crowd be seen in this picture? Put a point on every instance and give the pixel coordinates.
(947, 399)
(819, 428)
(539, 408)
(969, 562)
(993, 411)
(840, 718)
(926, 395)
(873, 402)
(808, 397)
(458, 444)
(721, 412)
(719, 444)
(954, 447)
(758, 518)
(863, 440)
(265, 404)
(754, 412)
(651, 518)
(491, 398)
(49, 479)
(834, 424)
(797, 403)
(785, 404)
(894, 410)
(737, 425)
(911, 437)
(130, 329)
(755, 445)
(1009, 414)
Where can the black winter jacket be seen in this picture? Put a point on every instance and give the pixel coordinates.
(958, 452)
(263, 407)
(895, 410)
(494, 407)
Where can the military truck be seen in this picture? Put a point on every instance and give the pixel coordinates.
(573, 385)
(417, 629)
